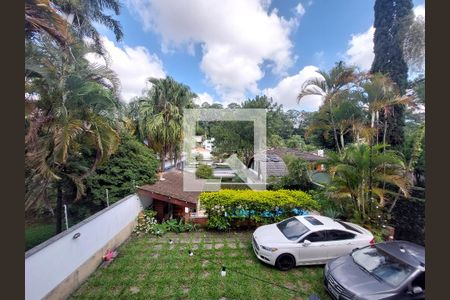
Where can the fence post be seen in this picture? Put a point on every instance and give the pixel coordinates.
(65, 216)
(107, 198)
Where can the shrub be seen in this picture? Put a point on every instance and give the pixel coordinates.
(146, 222)
(204, 171)
(227, 208)
(132, 164)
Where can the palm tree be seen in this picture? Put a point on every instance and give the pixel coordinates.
(72, 119)
(160, 116)
(352, 169)
(71, 21)
(380, 94)
(331, 84)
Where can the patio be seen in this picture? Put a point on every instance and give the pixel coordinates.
(149, 267)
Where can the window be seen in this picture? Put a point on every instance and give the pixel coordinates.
(313, 221)
(419, 281)
(318, 236)
(347, 226)
(292, 228)
(338, 235)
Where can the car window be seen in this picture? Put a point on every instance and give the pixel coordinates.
(338, 235)
(318, 236)
(419, 281)
(292, 228)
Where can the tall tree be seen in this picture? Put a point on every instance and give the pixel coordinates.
(329, 86)
(393, 19)
(160, 121)
(71, 21)
(70, 127)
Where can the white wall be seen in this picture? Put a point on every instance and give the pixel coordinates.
(50, 263)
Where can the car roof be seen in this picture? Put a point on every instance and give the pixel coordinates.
(407, 252)
(327, 223)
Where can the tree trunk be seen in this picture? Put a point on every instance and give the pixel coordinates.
(334, 128)
(59, 208)
(342, 140)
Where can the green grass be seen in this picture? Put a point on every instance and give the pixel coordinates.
(38, 233)
(149, 267)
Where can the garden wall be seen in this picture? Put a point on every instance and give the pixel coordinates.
(55, 268)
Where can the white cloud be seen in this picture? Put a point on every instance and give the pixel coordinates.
(360, 46)
(419, 10)
(286, 91)
(300, 9)
(203, 97)
(236, 38)
(133, 65)
(360, 49)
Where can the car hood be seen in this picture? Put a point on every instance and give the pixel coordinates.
(270, 234)
(356, 280)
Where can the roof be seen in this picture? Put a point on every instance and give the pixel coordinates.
(282, 152)
(172, 187)
(413, 254)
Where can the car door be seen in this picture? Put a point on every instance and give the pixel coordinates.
(314, 251)
(340, 243)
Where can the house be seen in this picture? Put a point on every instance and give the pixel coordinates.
(276, 167)
(169, 200)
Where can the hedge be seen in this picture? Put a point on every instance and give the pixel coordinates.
(230, 208)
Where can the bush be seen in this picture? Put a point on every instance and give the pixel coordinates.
(204, 171)
(132, 164)
(227, 208)
(148, 224)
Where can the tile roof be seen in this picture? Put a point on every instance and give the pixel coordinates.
(172, 187)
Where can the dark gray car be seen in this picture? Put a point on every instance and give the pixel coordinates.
(389, 270)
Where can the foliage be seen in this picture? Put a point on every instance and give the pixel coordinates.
(351, 173)
(329, 85)
(70, 130)
(297, 177)
(204, 171)
(132, 165)
(275, 141)
(36, 234)
(146, 222)
(227, 206)
(392, 21)
(161, 115)
(404, 212)
(47, 18)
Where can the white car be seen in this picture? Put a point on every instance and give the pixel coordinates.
(307, 240)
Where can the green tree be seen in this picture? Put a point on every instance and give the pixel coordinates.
(160, 117)
(329, 86)
(70, 128)
(296, 141)
(297, 177)
(204, 171)
(352, 169)
(392, 21)
(131, 165)
(275, 141)
(70, 21)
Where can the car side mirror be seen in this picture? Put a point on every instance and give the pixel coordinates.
(306, 243)
(417, 290)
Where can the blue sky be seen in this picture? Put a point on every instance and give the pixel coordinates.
(227, 51)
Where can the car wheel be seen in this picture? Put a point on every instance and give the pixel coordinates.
(285, 262)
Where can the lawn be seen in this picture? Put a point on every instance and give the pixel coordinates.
(38, 233)
(149, 267)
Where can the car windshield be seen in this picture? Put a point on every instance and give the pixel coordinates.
(382, 266)
(292, 228)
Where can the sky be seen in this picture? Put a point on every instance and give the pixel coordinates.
(229, 51)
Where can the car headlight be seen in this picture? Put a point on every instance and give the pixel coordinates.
(269, 248)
